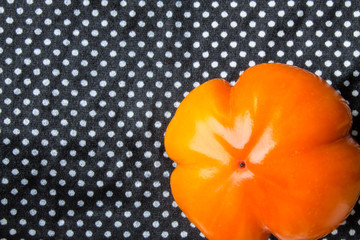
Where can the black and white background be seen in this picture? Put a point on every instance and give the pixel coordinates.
(87, 89)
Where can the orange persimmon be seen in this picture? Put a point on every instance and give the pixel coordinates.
(270, 155)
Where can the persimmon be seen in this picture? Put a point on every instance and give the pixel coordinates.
(270, 155)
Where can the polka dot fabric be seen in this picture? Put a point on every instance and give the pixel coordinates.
(87, 89)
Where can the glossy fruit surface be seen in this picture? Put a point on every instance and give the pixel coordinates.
(271, 154)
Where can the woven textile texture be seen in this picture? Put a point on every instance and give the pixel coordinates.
(87, 89)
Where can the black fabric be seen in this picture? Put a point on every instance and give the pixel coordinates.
(87, 89)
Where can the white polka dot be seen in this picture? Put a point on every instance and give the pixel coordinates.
(271, 3)
(330, 3)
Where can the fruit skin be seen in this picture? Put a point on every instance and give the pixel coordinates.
(272, 154)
